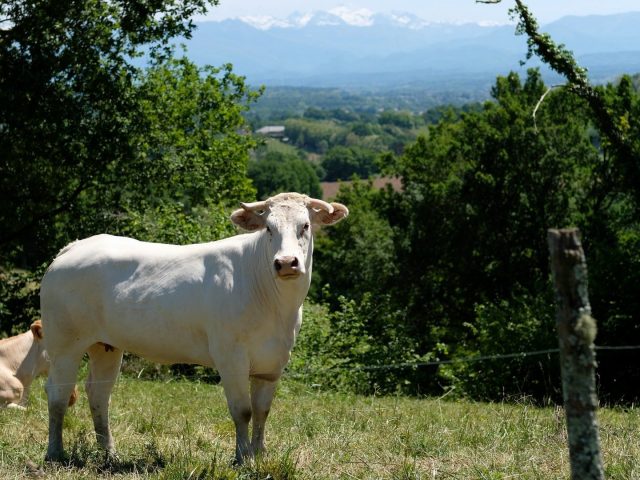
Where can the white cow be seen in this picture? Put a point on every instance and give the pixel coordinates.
(234, 304)
(22, 359)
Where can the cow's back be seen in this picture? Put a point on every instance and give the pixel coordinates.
(151, 299)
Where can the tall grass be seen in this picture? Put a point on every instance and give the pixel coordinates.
(181, 430)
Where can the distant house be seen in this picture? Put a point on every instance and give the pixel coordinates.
(331, 189)
(273, 131)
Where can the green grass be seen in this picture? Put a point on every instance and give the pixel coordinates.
(181, 430)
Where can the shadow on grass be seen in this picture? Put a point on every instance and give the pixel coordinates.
(83, 457)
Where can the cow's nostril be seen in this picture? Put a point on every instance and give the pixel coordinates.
(287, 265)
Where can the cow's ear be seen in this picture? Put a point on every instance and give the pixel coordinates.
(36, 329)
(248, 219)
(322, 217)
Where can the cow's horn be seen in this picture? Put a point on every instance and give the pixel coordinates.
(320, 205)
(250, 207)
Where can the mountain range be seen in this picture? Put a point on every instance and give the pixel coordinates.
(361, 49)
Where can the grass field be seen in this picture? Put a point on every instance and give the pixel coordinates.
(181, 430)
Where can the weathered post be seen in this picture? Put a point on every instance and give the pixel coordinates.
(576, 331)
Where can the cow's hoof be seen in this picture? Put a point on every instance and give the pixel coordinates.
(56, 456)
(111, 458)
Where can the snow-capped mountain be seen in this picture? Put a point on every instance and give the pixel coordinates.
(343, 47)
(338, 16)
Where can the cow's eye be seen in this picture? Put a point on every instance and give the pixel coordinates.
(269, 229)
(305, 228)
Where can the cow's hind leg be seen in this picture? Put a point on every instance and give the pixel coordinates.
(104, 365)
(63, 371)
(262, 391)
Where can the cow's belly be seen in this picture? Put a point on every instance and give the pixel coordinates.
(167, 328)
(179, 349)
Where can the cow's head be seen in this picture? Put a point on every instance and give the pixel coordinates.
(37, 347)
(287, 220)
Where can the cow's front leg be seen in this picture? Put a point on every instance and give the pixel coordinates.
(235, 381)
(263, 388)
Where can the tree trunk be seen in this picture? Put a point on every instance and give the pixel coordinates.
(576, 331)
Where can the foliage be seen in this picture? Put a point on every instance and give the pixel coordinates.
(616, 116)
(460, 257)
(341, 163)
(352, 344)
(356, 256)
(280, 103)
(524, 323)
(19, 300)
(611, 227)
(69, 110)
(479, 195)
(278, 172)
(399, 119)
(315, 136)
(354, 347)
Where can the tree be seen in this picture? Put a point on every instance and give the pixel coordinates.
(366, 326)
(279, 172)
(400, 119)
(71, 116)
(468, 231)
(617, 116)
(190, 163)
(341, 163)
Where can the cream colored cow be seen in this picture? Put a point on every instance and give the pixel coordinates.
(22, 359)
(234, 304)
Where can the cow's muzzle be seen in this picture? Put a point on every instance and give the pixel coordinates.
(287, 267)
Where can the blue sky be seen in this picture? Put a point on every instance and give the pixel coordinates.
(431, 10)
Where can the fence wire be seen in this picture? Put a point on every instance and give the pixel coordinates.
(392, 366)
(470, 359)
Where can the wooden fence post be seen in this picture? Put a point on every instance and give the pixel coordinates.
(576, 331)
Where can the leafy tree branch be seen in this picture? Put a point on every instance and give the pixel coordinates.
(616, 120)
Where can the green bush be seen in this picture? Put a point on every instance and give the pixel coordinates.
(524, 323)
(19, 300)
(357, 347)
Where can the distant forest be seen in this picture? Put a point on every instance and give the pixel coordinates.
(277, 103)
